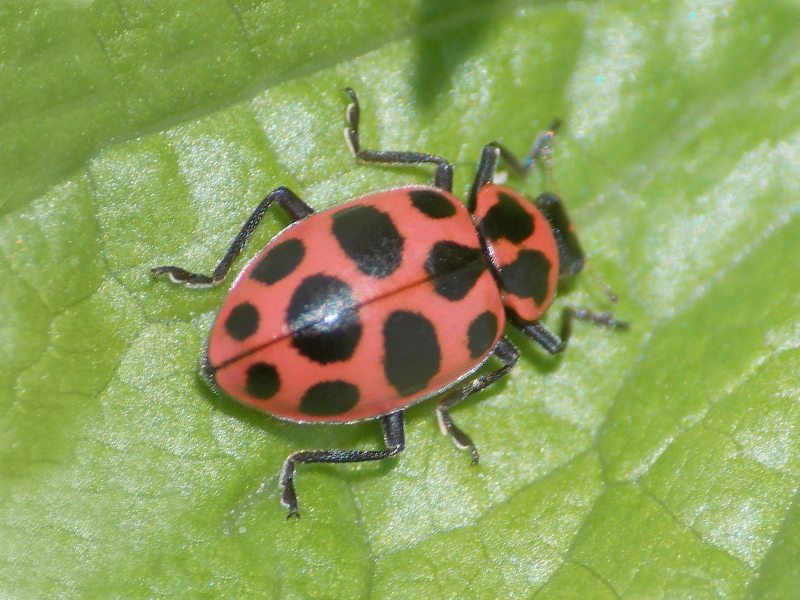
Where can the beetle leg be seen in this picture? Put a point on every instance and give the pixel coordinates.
(539, 333)
(487, 167)
(393, 434)
(601, 319)
(509, 355)
(555, 344)
(443, 176)
(542, 150)
(283, 196)
(494, 151)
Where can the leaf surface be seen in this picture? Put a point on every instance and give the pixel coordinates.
(659, 463)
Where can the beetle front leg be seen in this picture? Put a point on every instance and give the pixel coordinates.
(393, 434)
(509, 355)
(494, 151)
(487, 167)
(283, 196)
(542, 150)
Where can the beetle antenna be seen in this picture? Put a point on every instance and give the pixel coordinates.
(612, 296)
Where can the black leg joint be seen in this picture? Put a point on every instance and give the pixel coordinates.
(443, 177)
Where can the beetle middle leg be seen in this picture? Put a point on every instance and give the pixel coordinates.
(442, 178)
(509, 355)
(555, 344)
(393, 434)
(283, 196)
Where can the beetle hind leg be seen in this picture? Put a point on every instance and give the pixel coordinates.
(393, 434)
(509, 355)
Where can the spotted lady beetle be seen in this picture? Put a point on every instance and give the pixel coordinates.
(363, 310)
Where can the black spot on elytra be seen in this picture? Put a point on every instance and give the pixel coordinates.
(263, 381)
(370, 239)
(324, 319)
(279, 262)
(329, 398)
(481, 334)
(412, 352)
(454, 269)
(432, 204)
(528, 276)
(242, 322)
(507, 219)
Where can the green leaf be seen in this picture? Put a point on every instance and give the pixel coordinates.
(659, 463)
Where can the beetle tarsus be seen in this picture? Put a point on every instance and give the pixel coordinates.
(461, 440)
(183, 277)
(288, 496)
(601, 319)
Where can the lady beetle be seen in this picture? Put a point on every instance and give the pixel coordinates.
(360, 311)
